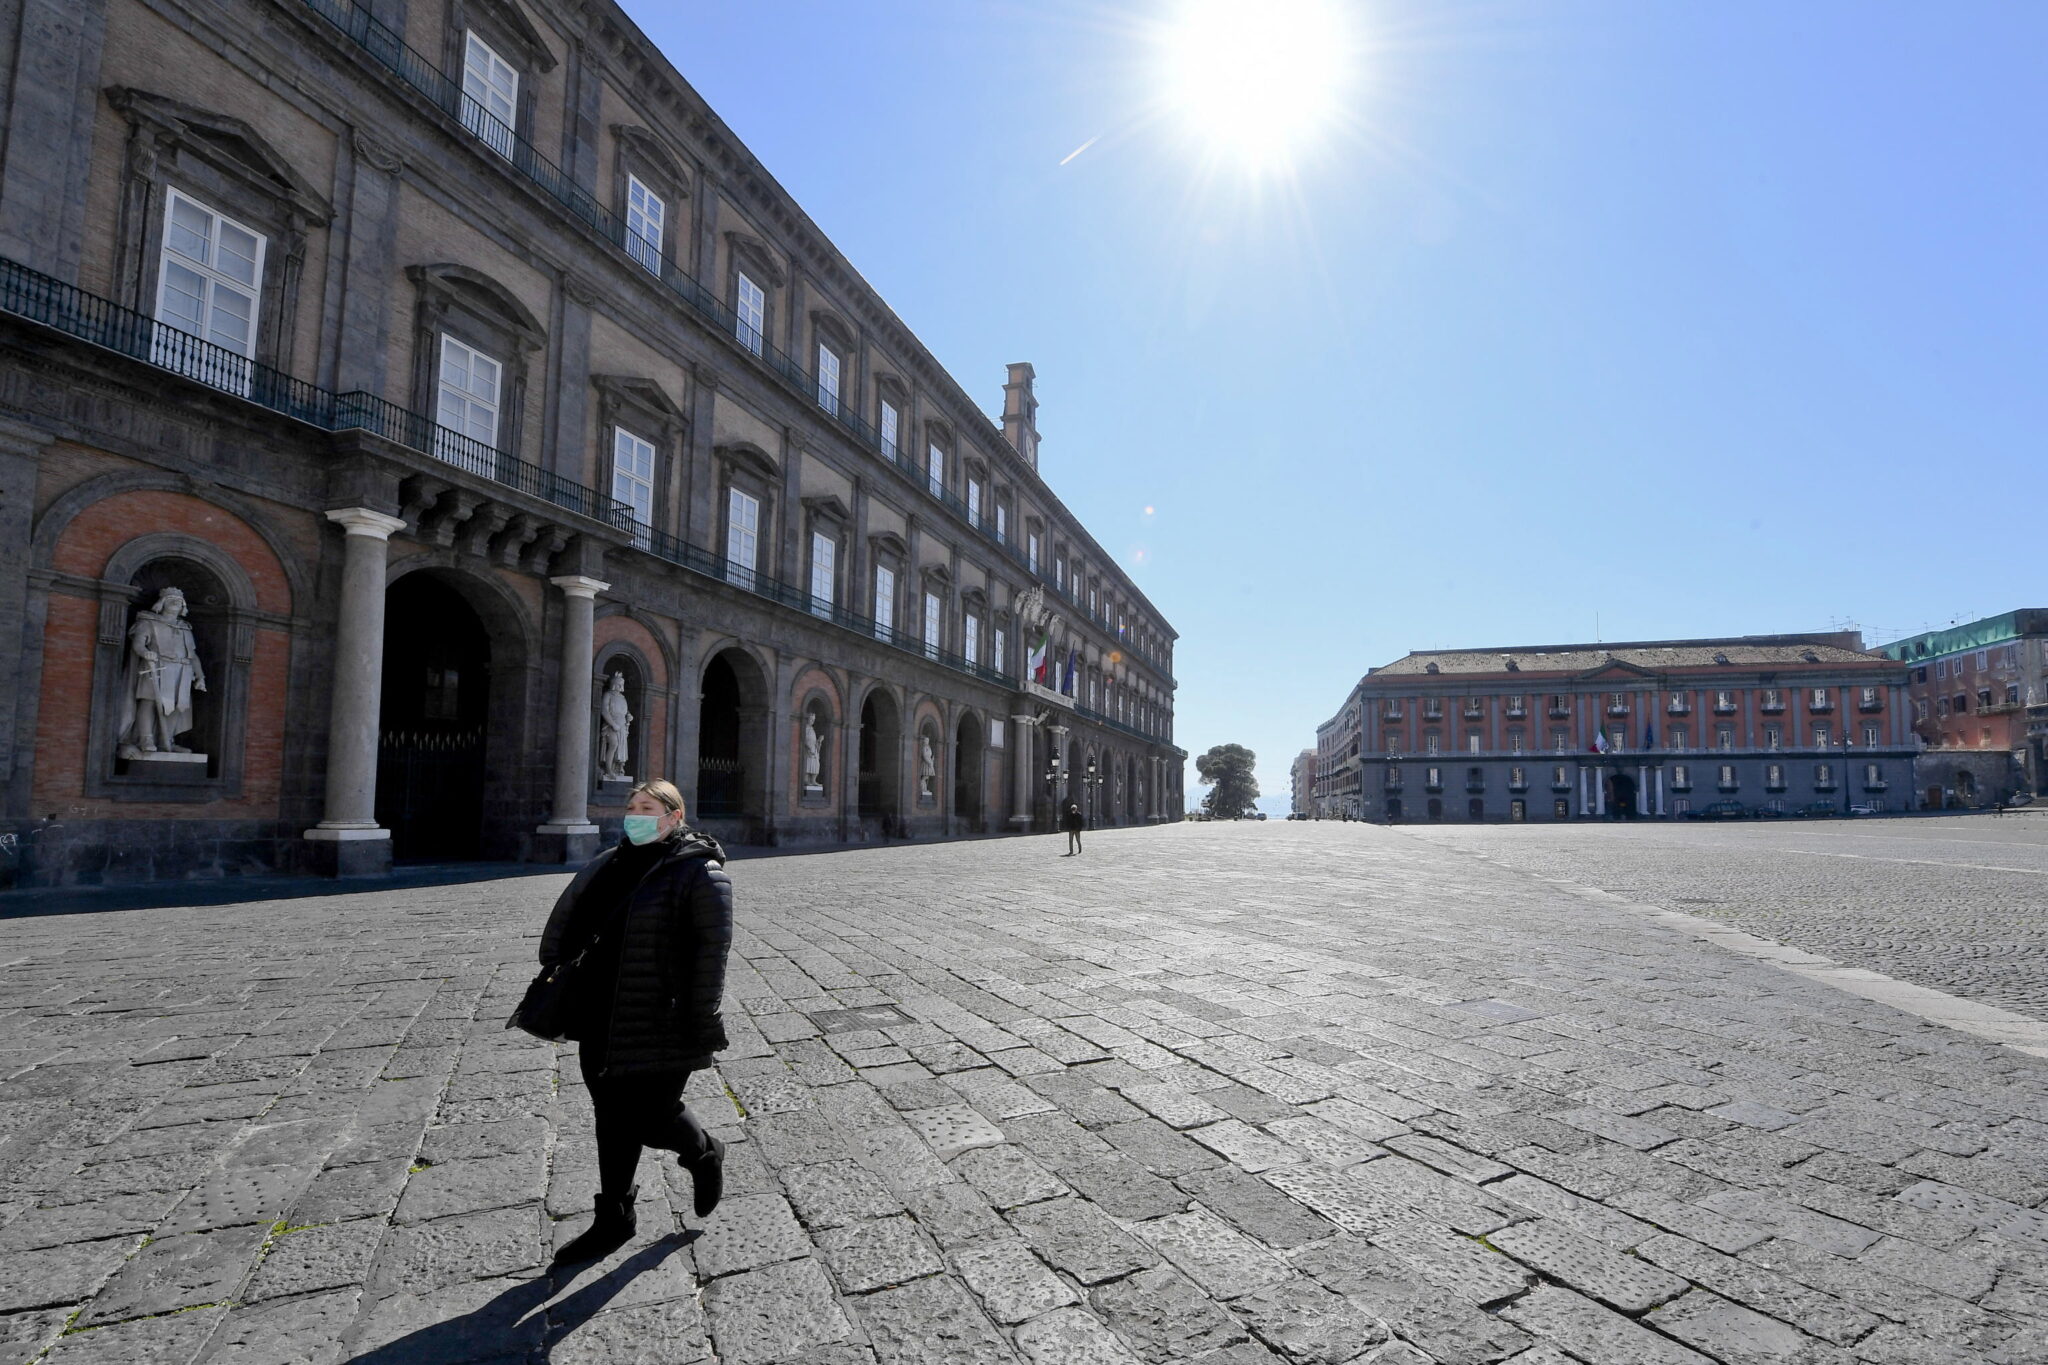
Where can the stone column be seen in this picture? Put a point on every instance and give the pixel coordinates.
(348, 841)
(568, 836)
(1660, 789)
(1020, 777)
(1599, 793)
(1642, 790)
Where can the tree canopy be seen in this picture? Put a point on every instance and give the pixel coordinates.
(1227, 769)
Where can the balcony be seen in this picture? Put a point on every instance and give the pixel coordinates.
(1879, 785)
(1617, 708)
(1435, 786)
(1871, 703)
(1820, 704)
(1772, 705)
(1516, 713)
(1678, 707)
(1518, 784)
(1724, 708)
(1392, 713)
(1433, 713)
(105, 324)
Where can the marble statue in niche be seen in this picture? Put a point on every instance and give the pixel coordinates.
(927, 767)
(813, 759)
(615, 724)
(162, 674)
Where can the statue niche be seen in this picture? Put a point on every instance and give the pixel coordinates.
(158, 685)
(614, 731)
(814, 761)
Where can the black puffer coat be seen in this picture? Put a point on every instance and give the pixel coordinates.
(673, 938)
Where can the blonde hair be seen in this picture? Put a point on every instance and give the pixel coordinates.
(662, 790)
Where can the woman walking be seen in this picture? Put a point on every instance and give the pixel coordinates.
(652, 917)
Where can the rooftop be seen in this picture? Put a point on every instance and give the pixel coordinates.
(1739, 651)
(1990, 630)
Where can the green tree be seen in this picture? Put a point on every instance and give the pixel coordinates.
(1227, 769)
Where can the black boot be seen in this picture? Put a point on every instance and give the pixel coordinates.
(613, 1227)
(707, 1176)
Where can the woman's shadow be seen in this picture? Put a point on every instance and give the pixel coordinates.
(513, 1325)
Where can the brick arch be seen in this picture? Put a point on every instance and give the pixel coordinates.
(618, 623)
(83, 530)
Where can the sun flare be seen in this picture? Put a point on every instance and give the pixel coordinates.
(1254, 82)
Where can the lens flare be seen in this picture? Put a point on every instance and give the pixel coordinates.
(1255, 84)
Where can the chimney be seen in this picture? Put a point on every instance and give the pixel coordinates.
(1020, 413)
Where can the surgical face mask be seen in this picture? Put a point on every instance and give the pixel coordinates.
(643, 829)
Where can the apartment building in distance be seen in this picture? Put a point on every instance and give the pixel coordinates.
(1979, 694)
(1651, 729)
(442, 421)
(1301, 783)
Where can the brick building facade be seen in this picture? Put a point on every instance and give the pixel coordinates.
(454, 359)
(1979, 694)
(1647, 729)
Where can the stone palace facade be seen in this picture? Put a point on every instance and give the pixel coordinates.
(421, 420)
(1647, 729)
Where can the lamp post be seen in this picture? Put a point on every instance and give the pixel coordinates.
(1052, 785)
(1093, 780)
(1848, 761)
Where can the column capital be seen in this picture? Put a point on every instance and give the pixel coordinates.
(362, 521)
(579, 585)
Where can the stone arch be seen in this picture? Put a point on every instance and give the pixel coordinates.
(970, 752)
(879, 761)
(453, 771)
(66, 508)
(734, 684)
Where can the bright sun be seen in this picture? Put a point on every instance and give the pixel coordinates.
(1255, 81)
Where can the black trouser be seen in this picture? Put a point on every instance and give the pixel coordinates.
(643, 1109)
(1073, 841)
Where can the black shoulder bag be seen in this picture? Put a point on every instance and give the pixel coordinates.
(544, 1010)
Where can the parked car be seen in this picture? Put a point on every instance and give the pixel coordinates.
(1719, 810)
(1817, 810)
(1866, 810)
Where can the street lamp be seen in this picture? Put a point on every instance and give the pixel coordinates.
(1094, 783)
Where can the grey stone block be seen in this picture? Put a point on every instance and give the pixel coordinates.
(1069, 1336)
(292, 1331)
(930, 1322)
(1080, 1239)
(1613, 1277)
(1591, 1333)
(831, 1194)
(750, 1231)
(337, 1256)
(1729, 1332)
(1165, 1317)
(448, 1251)
(877, 1252)
(1012, 1283)
(1007, 1176)
(174, 1340)
(178, 1272)
(1307, 1323)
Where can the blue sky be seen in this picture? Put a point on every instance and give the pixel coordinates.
(1650, 319)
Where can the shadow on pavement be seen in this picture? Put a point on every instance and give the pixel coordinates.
(509, 1326)
(83, 900)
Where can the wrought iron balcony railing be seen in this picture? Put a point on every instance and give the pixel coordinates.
(103, 323)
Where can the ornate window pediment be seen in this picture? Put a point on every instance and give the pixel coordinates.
(655, 153)
(227, 144)
(445, 284)
(754, 254)
(508, 24)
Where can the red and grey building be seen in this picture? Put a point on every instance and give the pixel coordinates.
(1979, 696)
(1643, 729)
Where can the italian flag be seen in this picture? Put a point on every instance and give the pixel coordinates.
(1036, 668)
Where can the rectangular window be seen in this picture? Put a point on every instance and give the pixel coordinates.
(1870, 736)
(1472, 742)
(1560, 740)
(1727, 777)
(1820, 698)
(970, 639)
(824, 572)
(1617, 739)
(999, 651)
(1514, 741)
(633, 478)
(1823, 774)
(1681, 777)
(1941, 668)
(885, 601)
(645, 215)
(1002, 525)
(931, 624)
(1869, 696)
(1724, 701)
(751, 307)
(828, 379)
(742, 535)
(974, 502)
(1873, 777)
(890, 418)
(1724, 737)
(490, 95)
(1774, 737)
(935, 470)
(1822, 736)
(1983, 659)
(1429, 743)
(210, 279)
(1675, 737)
(995, 732)
(1433, 777)
(1559, 777)
(1059, 574)
(1031, 552)
(466, 407)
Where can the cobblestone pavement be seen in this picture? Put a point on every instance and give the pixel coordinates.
(1959, 903)
(1228, 1094)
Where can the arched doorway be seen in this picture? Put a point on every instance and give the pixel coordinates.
(967, 773)
(732, 749)
(1621, 796)
(881, 751)
(433, 722)
(1436, 808)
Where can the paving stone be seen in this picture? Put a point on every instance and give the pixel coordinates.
(1740, 1336)
(646, 1334)
(1754, 1114)
(173, 1340)
(1448, 1158)
(1008, 1176)
(24, 1335)
(1159, 1149)
(1069, 1336)
(1594, 1334)
(1815, 1313)
(1011, 1282)
(1690, 1220)
(1463, 1265)
(116, 1216)
(832, 1194)
(1416, 1307)
(1080, 1239)
(1785, 1219)
(232, 1198)
(312, 1259)
(954, 1214)
(429, 1256)
(1165, 1317)
(468, 1322)
(930, 1322)
(750, 1231)
(1937, 1270)
(177, 1272)
(291, 1331)
(1307, 1323)
(1613, 1277)
(868, 1255)
(1173, 1107)
(1324, 1141)
(1339, 1196)
(1213, 1254)
(1457, 1203)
